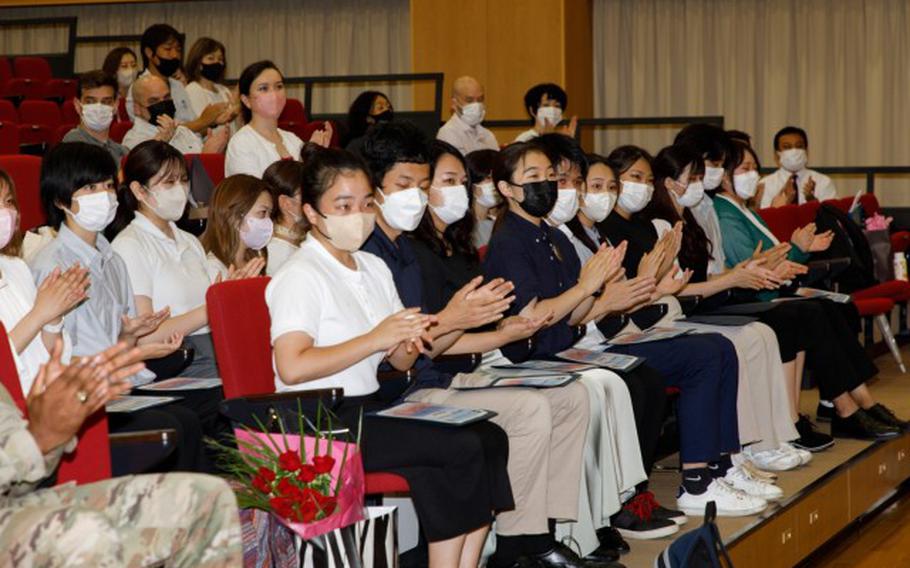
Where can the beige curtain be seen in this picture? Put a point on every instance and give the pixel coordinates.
(303, 37)
(838, 68)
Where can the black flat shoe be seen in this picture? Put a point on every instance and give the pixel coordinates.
(863, 426)
(884, 415)
(810, 439)
(609, 537)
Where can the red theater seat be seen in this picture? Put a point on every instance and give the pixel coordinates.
(213, 164)
(38, 120)
(26, 174)
(11, 87)
(40, 83)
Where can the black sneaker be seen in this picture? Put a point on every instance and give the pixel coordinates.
(825, 411)
(635, 521)
(884, 415)
(810, 439)
(610, 538)
(863, 426)
(658, 511)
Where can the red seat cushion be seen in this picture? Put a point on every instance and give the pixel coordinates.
(382, 482)
(896, 290)
(873, 306)
(9, 138)
(805, 214)
(900, 241)
(26, 174)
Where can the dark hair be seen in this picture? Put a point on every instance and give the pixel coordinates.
(507, 162)
(790, 130)
(565, 148)
(285, 177)
(593, 159)
(622, 158)
(695, 251)
(358, 112)
(574, 224)
(141, 165)
(232, 199)
(203, 46)
(480, 164)
(112, 59)
(155, 35)
(96, 79)
(245, 83)
(14, 246)
(322, 168)
(459, 236)
(708, 140)
(738, 151)
(739, 135)
(65, 169)
(390, 143)
(551, 90)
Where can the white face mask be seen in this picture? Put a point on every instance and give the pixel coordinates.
(549, 115)
(598, 205)
(125, 77)
(8, 217)
(635, 196)
(170, 202)
(566, 206)
(403, 210)
(746, 184)
(97, 116)
(794, 159)
(454, 203)
(256, 232)
(713, 177)
(488, 196)
(473, 113)
(695, 191)
(96, 211)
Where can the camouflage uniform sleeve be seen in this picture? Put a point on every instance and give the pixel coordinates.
(22, 466)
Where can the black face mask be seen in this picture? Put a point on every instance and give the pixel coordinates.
(540, 197)
(385, 116)
(168, 67)
(161, 108)
(212, 71)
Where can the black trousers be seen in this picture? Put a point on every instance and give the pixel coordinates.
(187, 453)
(649, 405)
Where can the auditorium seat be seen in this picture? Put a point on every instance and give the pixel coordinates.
(119, 130)
(68, 112)
(213, 164)
(11, 87)
(40, 84)
(239, 320)
(293, 116)
(9, 138)
(38, 120)
(26, 174)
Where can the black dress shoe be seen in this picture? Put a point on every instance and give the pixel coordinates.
(609, 537)
(603, 554)
(561, 556)
(884, 415)
(810, 439)
(863, 426)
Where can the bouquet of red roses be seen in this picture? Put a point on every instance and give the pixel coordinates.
(313, 483)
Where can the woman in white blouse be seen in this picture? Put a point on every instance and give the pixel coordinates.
(239, 227)
(285, 181)
(205, 68)
(167, 266)
(33, 317)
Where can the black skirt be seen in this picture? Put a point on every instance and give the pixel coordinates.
(457, 475)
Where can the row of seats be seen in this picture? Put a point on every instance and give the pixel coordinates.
(30, 77)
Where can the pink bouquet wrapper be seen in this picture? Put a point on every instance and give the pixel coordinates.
(350, 493)
(877, 222)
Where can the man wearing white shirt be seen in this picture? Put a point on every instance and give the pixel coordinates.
(793, 182)
(464, 130)
(154, 110)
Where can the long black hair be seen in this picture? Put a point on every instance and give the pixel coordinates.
(458, 237)
(245, 83)
(358, 112)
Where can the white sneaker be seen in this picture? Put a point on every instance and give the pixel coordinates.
(744, 462)
(740, 479)
(730, 502)
(774, 460)
(804, 456)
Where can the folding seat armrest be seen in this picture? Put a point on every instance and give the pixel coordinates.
(689, 303)
(649, 315)
(461, 363)
(612, 324)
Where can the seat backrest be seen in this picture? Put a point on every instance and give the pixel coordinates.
(68, 112)
(32, 68)
(6, 70)
(8, 111)
(805, 213)
(9, 138)
(213, 164)
(119, 130)
(293, 112)
(91, 461)
(781, 220)
(239, 320)
(45, 113)
(870, 204)
(26, 174)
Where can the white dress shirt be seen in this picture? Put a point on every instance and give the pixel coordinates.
(248, 152)
(184, 139)
(529, 134)
(465, 137)
(706, 217)
(774, 183)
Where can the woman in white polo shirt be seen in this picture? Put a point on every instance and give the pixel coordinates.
(239, 227)
(335, 316)
(285, 181)
(166, 265)
(205, 67)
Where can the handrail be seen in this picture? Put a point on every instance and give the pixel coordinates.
(625, 121)
(869, 171)
(69, 56)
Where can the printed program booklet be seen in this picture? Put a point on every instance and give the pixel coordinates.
(612, 361)
(128, 403)
(497, 378)
(548, 366)
(816, 293)
(435, 413)
(653, 334)
(181, 384)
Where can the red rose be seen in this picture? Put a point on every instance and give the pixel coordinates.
(289, 461)
(308, 511)
(266, 474)
(307, 474)
(283, 507)
(262, 484)
(287, 489)
(323, 464)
